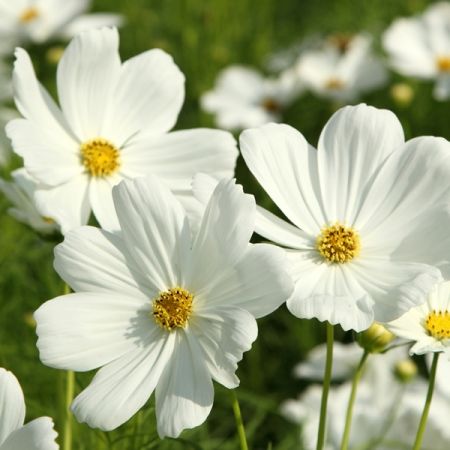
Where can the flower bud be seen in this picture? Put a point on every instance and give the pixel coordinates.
(402, 94)
(375, 338)
(405, 370)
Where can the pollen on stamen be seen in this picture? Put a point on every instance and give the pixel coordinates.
(100, 157)
(172, 308)
(443, 64)
(437, 324)
(338, 243)
(29, 14)
(334, 84)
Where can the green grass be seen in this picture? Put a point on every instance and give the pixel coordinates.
(203, 36)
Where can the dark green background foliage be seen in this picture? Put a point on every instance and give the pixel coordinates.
(203, 37)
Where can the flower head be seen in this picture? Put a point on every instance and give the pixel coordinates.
(113, 124)
(14, 435)
(158, 307)
(369, 214)
(428, 325)
(420, 47)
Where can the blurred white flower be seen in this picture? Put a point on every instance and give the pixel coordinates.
(243, 97)
(159, 310)
(343, 69)
(420, 47)
(362, 207)
(113, 124)
(20, 192)
(428, 325)
(40, 20)
(14, 435)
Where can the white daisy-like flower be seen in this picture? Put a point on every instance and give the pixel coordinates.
(242, 97)
(20, 192)
(369, 214)
(160, 310)
(343, 69)
(428, 325)
(14, 435)
(420, 47)
(113, 124)
(40, 20)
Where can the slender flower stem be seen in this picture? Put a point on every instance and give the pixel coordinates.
(351, 401)
(426, 408)
(326, 388)
(239, 423)
(70, 390)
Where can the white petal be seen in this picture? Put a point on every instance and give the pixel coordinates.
(88, 21)
(38, 434)
(84, 331)
(410, 325)
(224, 334)
(67, 204)
(12, 405)
(46, 157)
(426, 345)
(148, 96)
(176, 157)
(286, 167)
(34, 102)
(259, 283)
(122, 387)
(394, 286)
(224, 234)
(352, 146)
(93, 260)
(184, 395)
(101, 200)
(87, 74)
(441, 90)
(328, 292)
(155, 229)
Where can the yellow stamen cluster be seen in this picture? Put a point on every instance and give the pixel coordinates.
(100, 157)
(271, 105)
(338, 243)
(437, 324)
(29, 14)
(443, 64)
(172, 308)
(334, 83)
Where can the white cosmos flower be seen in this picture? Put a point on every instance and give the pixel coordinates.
(14, 435)
(420, 47)
(20, 192)
(113, 124)
(40, 20)
(369, 214)
(428, 325)
(243, 97)
(159, 310)
(343, 69)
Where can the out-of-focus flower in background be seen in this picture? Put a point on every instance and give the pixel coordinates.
(37, 21)
(242, 97)
(20, 192)
(38, 434)
(420, 47)
(344, 68)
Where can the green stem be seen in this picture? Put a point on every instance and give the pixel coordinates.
(326, 388)
(239, 423)
(351, 401)
(426, 408)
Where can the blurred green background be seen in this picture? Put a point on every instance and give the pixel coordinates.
(203, 37)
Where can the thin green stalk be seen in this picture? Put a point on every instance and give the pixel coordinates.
(351, 401)
(239, 423)
(426, 408)
(326, 388)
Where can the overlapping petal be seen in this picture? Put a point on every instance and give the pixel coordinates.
(38, 434)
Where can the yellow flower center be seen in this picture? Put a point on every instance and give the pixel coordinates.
(334, 83)
(100, 157)
(338, 244)
(437, 324)
(29, 14)
(271, 105)
(172, 308)
(443, 63)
